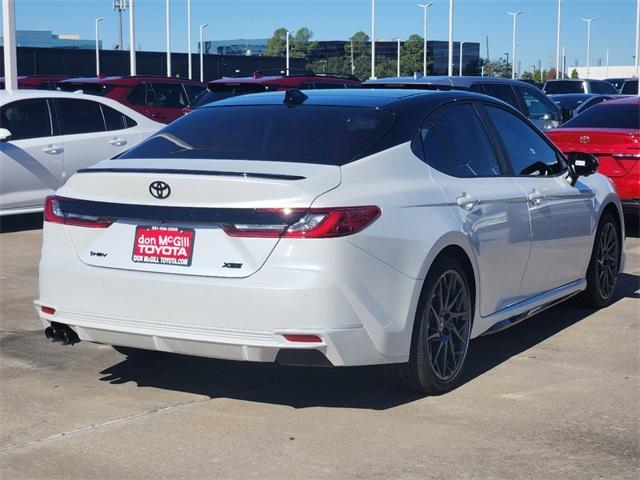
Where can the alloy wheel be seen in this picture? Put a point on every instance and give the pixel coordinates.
(607, 260)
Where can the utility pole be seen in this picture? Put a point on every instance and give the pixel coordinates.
(588, 20)
(558, 43)
(287, 52)
(460, 66)
(507, 54)
(513, 55)
(9, 39)
(398, 58)
(98, 20)
(202, 51)
(424, 37)
(450, 58)
(564, 62)
(132, 40)
(373, 39)
(607, 67)
(190, 66)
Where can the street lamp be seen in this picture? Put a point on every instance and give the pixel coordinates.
(588, 20)
(98, 20)
(132, 40)
(189, 39)
(398, 57)
(507, 55)
(168, 32)
(637, 62)
(607, 63)
(558, 43)
(373, 39)
(534, 73)
(513, 55)
(287, 48)
(424, 35)
(450, 59)
(460, 67)
(564, 62)
(202, 27)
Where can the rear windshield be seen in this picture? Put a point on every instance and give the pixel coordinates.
(607, 115)
(563, 86)
(331, 135)
(630, 87)
(89, 88)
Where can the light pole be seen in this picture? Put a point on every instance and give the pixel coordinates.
(287, 52)
(564, 62)
(638, 44)
(507, 55)
(202, 27)
(558, 43)
(513, 49)
(168, 32)
(588, 20)
(460, 66)
(120, 6)
(398, 57)
(607, 63)
(424, 35)
(373, 39)
(9, 40)
(534, 73)
(189, 39)
(132, 40)
(98, 20)
(450, 59)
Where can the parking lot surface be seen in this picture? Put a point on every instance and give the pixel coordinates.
(554, 397)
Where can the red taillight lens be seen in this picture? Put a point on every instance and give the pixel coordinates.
(54, 213)
(311, 223)
(48, 310)
(303, 338)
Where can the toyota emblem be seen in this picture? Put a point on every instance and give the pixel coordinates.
(159, 189)
(584, 139)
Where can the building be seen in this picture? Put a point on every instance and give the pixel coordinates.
(242, 46)
(47, 39)
(600, 72)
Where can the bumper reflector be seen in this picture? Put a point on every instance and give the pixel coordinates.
(303, 338)
(48, 310)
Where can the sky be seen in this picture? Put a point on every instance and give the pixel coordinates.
(614, 28)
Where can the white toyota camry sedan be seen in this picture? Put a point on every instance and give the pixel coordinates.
(45, 136)
(348, 227)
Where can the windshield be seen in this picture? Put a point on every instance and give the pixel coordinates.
(607, 115)
(332, 135)
(563, 86)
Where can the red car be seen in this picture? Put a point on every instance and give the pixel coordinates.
(260, 82)
(610, 131)
(37, 82)
(159, 98)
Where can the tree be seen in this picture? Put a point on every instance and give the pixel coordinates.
(549, 74)
(574, 73)
(411, 55)
(276, 45)
(361, 54)
(301, 44)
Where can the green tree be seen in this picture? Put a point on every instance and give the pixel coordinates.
(574, 73)
(411, 59)
(301, 44)
(526, 76)
(361, 54)
(277, 43)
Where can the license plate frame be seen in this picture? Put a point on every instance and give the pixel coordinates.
(157, 249)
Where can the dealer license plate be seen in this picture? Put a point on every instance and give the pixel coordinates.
(163, 245)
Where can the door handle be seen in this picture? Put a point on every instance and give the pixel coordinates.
(117, 142)
(466, 201)
(53, 149)
(535, 197)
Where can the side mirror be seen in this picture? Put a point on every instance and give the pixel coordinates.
(5, 135)
(581, 165)
(565, 114)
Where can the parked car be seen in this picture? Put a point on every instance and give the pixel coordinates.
(342, 227)
(39, 82)
(260, 82)
(577, 103)
(159, 98)
(45, 136)
(630, 87)
(528, 100)
(611, 131)
(616, 82)
(567, 85)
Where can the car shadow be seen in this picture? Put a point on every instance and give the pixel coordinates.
(20, 223)
(632, 226)
(352, 387)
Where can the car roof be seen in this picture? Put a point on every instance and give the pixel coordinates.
(461, 82)
(623, 100)
(281, 79)
(128, 80)
(394, 99)
(575, 95)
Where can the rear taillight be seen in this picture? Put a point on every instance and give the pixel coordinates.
(54, 213)
(309, 223)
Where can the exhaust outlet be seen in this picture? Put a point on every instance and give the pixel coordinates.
(59, 332)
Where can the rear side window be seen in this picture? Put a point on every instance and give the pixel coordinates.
(193, 90)
(316, 134)
(529, 153)
(563, 86)
(503, 92)
(603, 87)
(465, 141)
(116, 120)
(537, 106)
(630, 87)
(26, 119)
(608, 115)
(79, 116)
(142, 94)
(431, 148)
(170, 95)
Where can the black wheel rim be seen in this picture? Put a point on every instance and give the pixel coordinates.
(448, 320)
(607, 260)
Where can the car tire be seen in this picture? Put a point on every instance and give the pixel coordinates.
(604, 265)
(442, 325)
